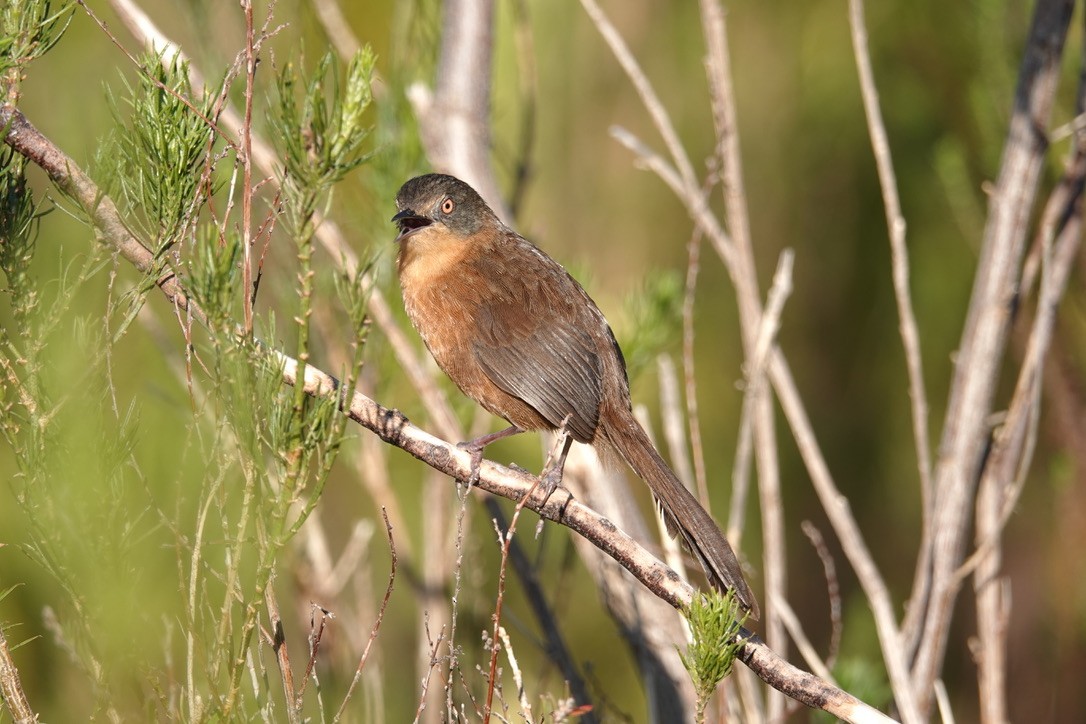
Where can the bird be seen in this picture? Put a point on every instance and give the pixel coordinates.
(520, 336)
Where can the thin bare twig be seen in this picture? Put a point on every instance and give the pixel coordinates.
(899, 252)
(755, 370)
(505, 539)
(276, 638)
(518, 679)
(11, 687)
(745, 278)
(434, 661)
(553, 644)
(247, 171)
(907, 326)
(697, 448)
(833, 589)
(377, 623)
(648, 96)
(316, 633)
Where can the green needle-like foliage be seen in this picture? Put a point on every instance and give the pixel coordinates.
(321, 128)
(715, 622)
(29, 29)
(654, 315)
(160, 151)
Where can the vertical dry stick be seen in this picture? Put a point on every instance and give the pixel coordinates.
(377, 623)
(899, 252)
(672, 418)
(455, 120)
(725, 118)
(506, 538)
(247, 165)
(554, 646)
(277, 639)
(980, 359)
(12, 688)
(697, 449)
(1004, 475)
(518, 678)
(755, 370)
(895, 223)
(848, 532)
(435, 566)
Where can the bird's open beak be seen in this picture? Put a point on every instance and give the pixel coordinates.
(410, 222)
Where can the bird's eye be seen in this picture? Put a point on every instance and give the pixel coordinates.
(447, 206)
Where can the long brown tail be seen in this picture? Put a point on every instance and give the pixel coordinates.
(682, 512)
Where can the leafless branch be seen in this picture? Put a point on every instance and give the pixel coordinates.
(979, 361)
(377, 623)
(276, 638)
(11, 687)
(895, 221)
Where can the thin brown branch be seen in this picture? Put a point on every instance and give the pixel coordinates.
(377, 623)
(316, 634)
(277, 639)
(833, 589)
(505, 538)
(432, 647)
(12, 688)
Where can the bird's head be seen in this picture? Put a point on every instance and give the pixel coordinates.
(443, 202)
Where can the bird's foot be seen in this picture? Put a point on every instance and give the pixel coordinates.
(475, 449)
(551, 475)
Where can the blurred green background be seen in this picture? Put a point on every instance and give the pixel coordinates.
(946, 77)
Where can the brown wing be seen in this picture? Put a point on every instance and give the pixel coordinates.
(534, 343)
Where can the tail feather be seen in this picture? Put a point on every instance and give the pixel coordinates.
(683, 514)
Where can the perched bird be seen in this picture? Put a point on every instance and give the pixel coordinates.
(521, 337)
